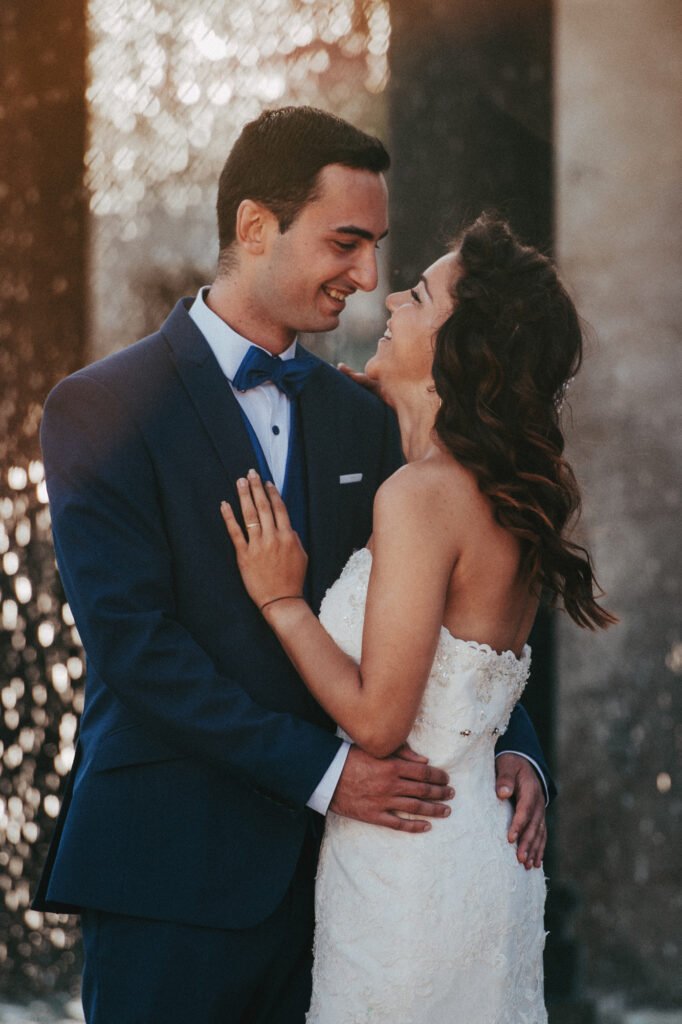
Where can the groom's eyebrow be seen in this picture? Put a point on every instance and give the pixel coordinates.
(351, 229)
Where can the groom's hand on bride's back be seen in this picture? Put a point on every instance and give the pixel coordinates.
(517, 781)
(380, 791)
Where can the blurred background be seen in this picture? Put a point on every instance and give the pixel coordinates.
(115, 119)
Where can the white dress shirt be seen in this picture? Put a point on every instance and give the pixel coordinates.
(268, 411)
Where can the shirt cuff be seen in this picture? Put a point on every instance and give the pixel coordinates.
(321, 796)
(539, 771)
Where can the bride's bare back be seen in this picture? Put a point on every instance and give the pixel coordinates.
(487, 600)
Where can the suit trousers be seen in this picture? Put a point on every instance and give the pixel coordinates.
(140, 971)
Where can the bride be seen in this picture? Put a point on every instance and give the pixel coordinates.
(423, 637)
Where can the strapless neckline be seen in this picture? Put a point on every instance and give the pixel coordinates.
(490, 653)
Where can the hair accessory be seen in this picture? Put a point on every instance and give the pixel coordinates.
(560, 396)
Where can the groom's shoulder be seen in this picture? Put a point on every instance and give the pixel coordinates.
(107, 398)
(135, 358)
(132, 372)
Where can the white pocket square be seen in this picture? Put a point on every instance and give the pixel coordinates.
(350, 478)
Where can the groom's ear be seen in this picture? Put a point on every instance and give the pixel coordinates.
(253, 226)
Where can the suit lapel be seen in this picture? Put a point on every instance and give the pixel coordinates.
(320, 421)
(211, 396)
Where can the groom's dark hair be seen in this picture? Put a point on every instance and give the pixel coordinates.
(277, 159)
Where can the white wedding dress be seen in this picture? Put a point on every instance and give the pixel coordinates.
(444, 927)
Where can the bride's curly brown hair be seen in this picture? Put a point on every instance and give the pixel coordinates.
(502, 362)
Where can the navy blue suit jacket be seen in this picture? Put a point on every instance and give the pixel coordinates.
(199, 745)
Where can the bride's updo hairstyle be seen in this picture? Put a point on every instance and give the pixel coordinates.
(502, 362)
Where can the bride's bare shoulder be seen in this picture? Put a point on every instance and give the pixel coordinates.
(428, 480)
(433, 491)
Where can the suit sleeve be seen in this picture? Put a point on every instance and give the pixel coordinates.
(116, 565)
(521, 738)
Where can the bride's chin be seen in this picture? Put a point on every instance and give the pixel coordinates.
(372, 371)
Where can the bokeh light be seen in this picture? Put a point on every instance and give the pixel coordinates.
(39, 703)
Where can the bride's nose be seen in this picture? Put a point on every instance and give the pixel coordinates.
(393, 301)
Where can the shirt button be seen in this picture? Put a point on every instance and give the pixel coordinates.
(275, 429)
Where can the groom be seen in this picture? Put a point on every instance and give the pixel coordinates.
(189, 831)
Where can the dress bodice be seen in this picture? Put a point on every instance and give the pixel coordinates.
(471, 690)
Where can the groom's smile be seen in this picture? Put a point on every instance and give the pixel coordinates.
(329, 252)
(337, 295)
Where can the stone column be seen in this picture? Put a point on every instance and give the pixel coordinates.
(470, 120)
(619, 166)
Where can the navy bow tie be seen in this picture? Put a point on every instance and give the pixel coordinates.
(258, 367)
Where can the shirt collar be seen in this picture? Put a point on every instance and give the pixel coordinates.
(228, 347)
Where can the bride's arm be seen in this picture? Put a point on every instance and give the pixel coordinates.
(377, 701)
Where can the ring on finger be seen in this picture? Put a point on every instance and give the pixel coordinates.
(250, 526)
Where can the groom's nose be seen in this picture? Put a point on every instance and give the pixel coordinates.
(363, 273)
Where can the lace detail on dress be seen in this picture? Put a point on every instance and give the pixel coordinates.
(444, 927)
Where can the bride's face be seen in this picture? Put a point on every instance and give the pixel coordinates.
(404, 354)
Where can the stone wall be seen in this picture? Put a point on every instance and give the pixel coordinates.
(618, 116)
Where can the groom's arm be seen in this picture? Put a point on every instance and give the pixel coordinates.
(321, 797)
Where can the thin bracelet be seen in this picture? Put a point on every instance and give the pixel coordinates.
(284, 597)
